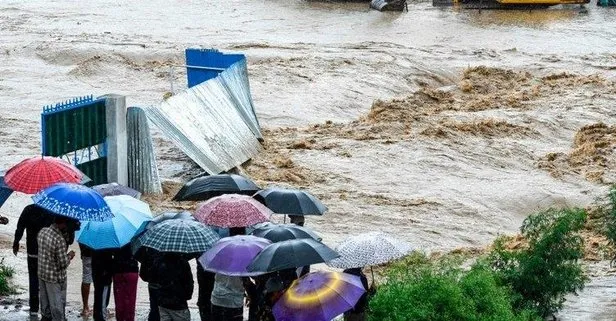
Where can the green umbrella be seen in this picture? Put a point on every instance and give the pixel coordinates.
(179, 236)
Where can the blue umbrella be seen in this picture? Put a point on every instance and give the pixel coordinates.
(5, 191)
(74, 201)
(131, 216)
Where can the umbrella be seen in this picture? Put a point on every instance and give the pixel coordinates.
(131, 216)
(231, 255)
(140, 252)
(290, 201)
(177, 235)
(34, 174)
(75, 201)
(206, 187)
(372, 248)
(5, 191)
(113, 189)
(291, 254)
(170, 216)
(283, 232)
(319, 296)
(232, 210)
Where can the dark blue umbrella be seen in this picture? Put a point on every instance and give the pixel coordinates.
(5, 191)
(284, 232)
(74, 201)
(206, 187)
(290, 201)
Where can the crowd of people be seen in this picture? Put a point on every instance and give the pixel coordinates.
(169, 277)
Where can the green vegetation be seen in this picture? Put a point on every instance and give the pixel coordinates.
(549, 267)
(609, 213)
(6, 273)
(440, 291)
(526, 283)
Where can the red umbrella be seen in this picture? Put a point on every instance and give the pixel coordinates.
(34, 174)
(232, 210)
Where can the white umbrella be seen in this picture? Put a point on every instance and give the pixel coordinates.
(372, 248)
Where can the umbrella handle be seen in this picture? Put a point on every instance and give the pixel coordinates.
(372, 272)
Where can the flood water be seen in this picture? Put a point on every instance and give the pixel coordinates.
(312, 61)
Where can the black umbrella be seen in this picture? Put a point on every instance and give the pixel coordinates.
(113, 189)
(284, 232)
(290, 201)
(291, 254)
(206, 187)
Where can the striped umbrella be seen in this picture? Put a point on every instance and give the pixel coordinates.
(319, 296)
(177, 235)
(34, 174)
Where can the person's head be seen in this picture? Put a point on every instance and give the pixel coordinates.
(237, 231)
(66, 223)
(297, 219)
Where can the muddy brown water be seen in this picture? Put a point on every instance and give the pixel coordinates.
(310, 62)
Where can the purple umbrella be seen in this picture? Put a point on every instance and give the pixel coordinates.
(231, 255)
(319, 296)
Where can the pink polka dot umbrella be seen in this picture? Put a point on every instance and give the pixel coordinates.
(232, 210)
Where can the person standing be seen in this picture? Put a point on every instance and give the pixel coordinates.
(53, 260)
(102, 275)
(32, 220)
(148, 258)
(228, 293)
(358, 313)
(173, 278)
(125, 278)
(205, 279)
(86, 278)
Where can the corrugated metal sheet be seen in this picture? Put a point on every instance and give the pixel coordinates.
(142, 170)
(208, 124)
(235, 80)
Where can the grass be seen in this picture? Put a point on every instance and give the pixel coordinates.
(6, 272)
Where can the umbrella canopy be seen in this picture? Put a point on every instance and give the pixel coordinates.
(177, 235)
(232, 210)
(290, 201)
(5, 191)
(114, 189)
(206, 187)
(284, 232)
(34, 174)
(130, 217)
(291, 254)
(74, 201)
(319, 296)
(371, 248)
(231, 255)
